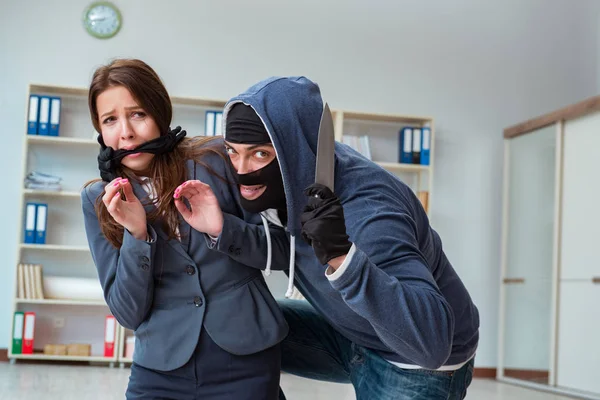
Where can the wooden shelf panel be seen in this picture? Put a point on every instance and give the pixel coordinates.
(51, 193)
(403, 167)
(60, 140)
(57, 247)
(58, 90)
(99, 303)
(40, 356)
(403, 119)
(83, 92)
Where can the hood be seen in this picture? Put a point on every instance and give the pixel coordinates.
(290, 108)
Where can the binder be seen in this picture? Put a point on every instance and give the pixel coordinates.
(406, 136)
(425, 145)
(32, 117)
(219, 124)
(17, 337)
(110, 332)
(30, 214)
(55, 103)
(41, 219)
(209, 128)
(28, 333)
(416, 146)
(44, 118)
(20, 281)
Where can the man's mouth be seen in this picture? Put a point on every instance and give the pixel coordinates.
(252, 192)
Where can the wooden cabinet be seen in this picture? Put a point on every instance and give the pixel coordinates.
(550, 288)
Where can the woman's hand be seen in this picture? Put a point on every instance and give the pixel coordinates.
(204, 214)
(130, 212)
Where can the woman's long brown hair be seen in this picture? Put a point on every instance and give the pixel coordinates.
(167, 171)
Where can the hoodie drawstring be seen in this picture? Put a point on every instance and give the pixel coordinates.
(268, 233)
(290, 288)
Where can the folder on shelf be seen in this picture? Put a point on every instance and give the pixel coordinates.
(29, 281)
(17, 337)
(28, 333)
(406, 136)
(38, 281)
(55, 103)
(32, 116)
(20, 282)
(209, 128)
(30, 211)
(110, 333)
(44, 118)
(425, 145)
(41, 219)
(218, 123)
(416, 146)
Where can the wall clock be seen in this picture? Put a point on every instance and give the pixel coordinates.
(102, 19)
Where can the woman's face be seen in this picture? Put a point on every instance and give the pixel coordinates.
(125, 125)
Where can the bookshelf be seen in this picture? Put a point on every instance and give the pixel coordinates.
(65, 317)
(383, 142)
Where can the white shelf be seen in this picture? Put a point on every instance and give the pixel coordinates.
(39, 356)
(54, 247)
(60, 140)
(51, 193)
(403, 167)
(100, 303)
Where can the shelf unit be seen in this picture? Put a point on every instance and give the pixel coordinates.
(73, 153)
(383, 132)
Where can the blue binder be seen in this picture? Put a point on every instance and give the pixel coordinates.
(218, 123)
(405, 145)
(416, 148)
(33, 115)
(55, 103)
(44, 116)
(41, 219)
(209, 128)
(30, 218)
(425, 145)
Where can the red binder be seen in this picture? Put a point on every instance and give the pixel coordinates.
(28, 332)
(110, 333)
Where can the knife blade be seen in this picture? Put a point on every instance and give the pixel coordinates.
(324, 168)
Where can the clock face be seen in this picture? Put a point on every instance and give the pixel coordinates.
(102, 20)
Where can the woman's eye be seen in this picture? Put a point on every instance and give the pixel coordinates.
(261, 154)
(108, 120)
(139, 114)
(229, 150)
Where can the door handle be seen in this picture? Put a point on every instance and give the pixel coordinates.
(596, 280)
(514, 280)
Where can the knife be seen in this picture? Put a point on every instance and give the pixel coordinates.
(324, 169)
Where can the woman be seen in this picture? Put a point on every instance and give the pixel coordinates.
(206, 325)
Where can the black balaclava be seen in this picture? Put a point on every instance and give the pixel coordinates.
(245, 127)
(109, 159)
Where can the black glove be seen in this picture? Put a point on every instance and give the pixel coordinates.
(109, 159)
(323, 224)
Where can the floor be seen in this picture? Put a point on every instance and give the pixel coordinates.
(50, 382)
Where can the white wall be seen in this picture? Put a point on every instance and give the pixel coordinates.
(475, 66)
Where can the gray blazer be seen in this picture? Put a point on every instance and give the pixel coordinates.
(167, 290)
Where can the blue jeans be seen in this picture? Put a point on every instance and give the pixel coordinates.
(314, 350)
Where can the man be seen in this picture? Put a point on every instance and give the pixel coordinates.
(386, 310)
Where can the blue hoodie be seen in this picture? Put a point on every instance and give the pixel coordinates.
(397, 294)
